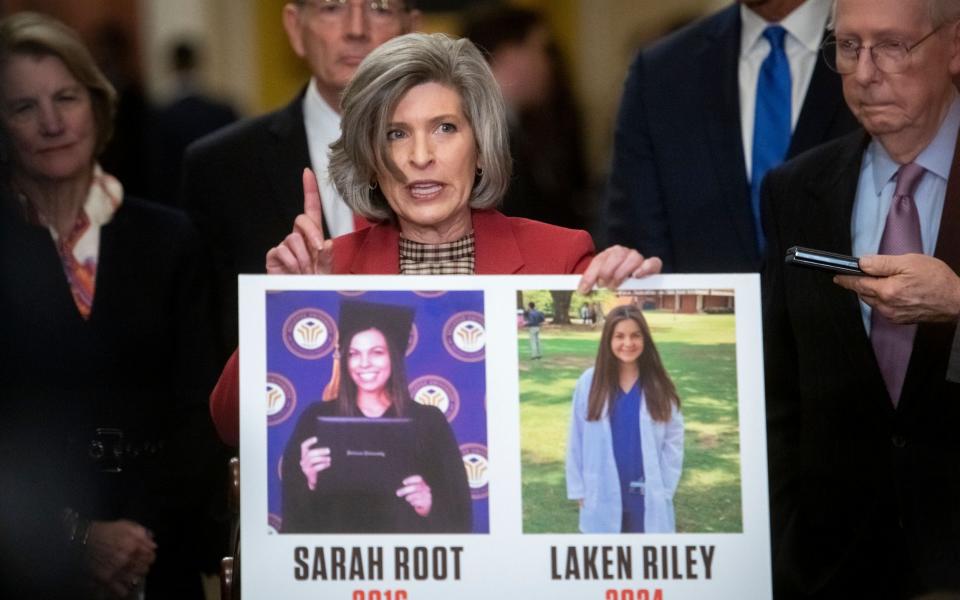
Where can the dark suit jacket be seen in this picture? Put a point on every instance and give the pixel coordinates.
(864, 497)
(954, 371)
(678, 189)
(242, 187)
(177, 125)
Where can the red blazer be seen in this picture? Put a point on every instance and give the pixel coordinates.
(504, 246)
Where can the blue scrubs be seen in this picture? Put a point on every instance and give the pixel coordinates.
(625, 429)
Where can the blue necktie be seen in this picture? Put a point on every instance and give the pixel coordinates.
(771, 124)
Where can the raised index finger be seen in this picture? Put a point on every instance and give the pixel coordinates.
(311, 199)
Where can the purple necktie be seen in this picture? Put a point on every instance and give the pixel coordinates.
(892, 343)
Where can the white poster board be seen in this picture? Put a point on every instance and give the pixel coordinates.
(708, 331)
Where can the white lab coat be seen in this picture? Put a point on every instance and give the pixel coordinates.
(592, 469)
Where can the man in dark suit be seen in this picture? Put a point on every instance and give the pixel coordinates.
(187, 117)
(242, 184)
(683, 155)
(863, 453)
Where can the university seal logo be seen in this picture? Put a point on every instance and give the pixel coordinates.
(274, 524)
(414, 339)
(281, 398)
(309, 333)
(475, 462)
(433, 390)
(464, 336)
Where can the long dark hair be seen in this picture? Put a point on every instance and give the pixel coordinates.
(396, 387)
(658, 390)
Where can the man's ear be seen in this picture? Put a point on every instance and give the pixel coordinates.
(291, 24)
(954, 31)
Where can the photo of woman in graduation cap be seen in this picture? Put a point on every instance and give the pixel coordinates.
(371, 459)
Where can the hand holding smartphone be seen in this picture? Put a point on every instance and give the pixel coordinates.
(823, 261)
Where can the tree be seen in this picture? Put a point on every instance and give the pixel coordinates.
(561, 306)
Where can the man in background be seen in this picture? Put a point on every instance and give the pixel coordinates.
(549, 181)
(704, 114)
(188, 116)
(242, 185)
(534, 319)
(861, 414)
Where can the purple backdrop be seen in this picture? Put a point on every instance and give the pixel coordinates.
(445, 368)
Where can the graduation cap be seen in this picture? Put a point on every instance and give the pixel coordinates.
(392, 320)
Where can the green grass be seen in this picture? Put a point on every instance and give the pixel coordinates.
(699, 352)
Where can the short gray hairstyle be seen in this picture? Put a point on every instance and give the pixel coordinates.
(944, 11)
(941, 12)
(370, 98)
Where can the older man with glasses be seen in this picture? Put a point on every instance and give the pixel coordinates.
(242, 184)
(862, 410)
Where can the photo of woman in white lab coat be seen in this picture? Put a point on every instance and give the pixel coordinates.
(625, 450)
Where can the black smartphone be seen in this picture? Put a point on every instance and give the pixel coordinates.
(824, 261)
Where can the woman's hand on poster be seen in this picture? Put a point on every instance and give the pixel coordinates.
(614, 265)
(119, 555)
(416, 491)
(305, 251)
(313, 460)
(580, 503)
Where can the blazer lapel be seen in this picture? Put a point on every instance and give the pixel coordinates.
(497, 251)
(286, 158)
(379, 253)
(827, 227)
(933, 342)
(948, 243)
(721, 112)
(823, 101)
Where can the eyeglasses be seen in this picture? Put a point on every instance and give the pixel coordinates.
(378, 11)
(891, 56)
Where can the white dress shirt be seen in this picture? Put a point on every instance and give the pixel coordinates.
(805, 28)
(323, 128)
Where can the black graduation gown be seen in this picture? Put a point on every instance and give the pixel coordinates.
(438, 461)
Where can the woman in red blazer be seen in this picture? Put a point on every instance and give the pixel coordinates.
(424, 155)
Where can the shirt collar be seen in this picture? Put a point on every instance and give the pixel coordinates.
(319, 115)
(104, 198)
(937, 157)
(805, 25)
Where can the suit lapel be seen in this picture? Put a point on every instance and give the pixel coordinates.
(933, 342)
(721, 112)
(823, 101)
(379, 254)
(827, 227)
(285, 160)
(497, 251)
(948, 243)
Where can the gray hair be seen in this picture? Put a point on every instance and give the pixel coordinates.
(941, 12)
(372, 95)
